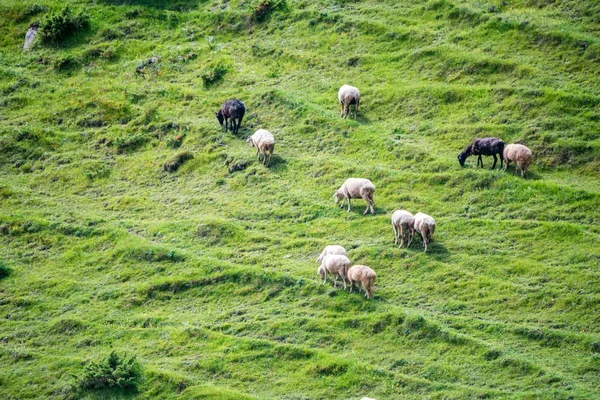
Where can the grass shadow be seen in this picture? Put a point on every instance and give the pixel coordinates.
(530, 176)
(278, 164)
(435, 249)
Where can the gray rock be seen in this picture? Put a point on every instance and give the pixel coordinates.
(30, 36)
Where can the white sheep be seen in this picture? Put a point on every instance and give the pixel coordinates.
(332, 249)
(356, 188)
(425, 225)
(264, 142)
(336, 265)
(348, 95)
(520, 154)
(403, 222)
(362, 275)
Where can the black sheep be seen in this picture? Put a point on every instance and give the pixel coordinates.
(483, 147)
(234, 110)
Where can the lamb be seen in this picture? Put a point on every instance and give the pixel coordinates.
(232, 109)
(348, 95)
(355, 188)
(425, 225)
(403, 222)
(332, 249)
(264, 142)
(486, 147)
(520, 154)
(335, 264)
(363, 275)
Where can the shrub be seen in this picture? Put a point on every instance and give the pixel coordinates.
(4, 270)
(173, 164)
(264, 8)
(114, 372)
(213, 73)
(57, 27)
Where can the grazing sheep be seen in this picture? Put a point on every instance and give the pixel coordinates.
(363, 275)
(425, 225)
(486, 147)
(234, 110)
(520, 154)
(356, 188)
(403, 222)
(264, 142)
(335, 264)
(332, 249)
(348, 95)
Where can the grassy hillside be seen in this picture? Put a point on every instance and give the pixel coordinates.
(209, 277)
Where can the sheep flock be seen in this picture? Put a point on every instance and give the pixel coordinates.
(334, 259)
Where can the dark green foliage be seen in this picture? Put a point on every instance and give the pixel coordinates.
(264, 8)
(59, 26)
(116, 371)
(4, 270)
(213, 73)
(30, 11)
(174, 163)
(130, 142)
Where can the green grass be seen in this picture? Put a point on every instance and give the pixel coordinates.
(209, 278)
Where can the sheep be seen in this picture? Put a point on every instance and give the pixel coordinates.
(332, 249)
(425, 225)
(363, 275)
(355, 188)
(348, 95)
(520, 154)
(335, 264)
(264, 142)
(232, 109)
(486, 147)
(403, 222)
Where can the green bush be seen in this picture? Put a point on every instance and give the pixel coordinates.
(264, 8)
(115, 372)
(4, 270)
(58, 27)
(213, 73)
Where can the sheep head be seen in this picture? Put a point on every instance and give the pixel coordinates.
(338, 196)
(219, 115)
(249, 140)
(322, 272)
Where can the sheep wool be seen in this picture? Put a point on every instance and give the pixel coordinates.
(520, 154)
(347, 96)
(336, 265)
(362, 276)
(332, 249)
(403, 224)
(356, 188)
(264, 142)
(425, 225)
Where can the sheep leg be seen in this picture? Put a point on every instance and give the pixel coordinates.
(410, 238)
(348, 203)
(480, 161)
(351, 284)
(401, 237)
(395, 234)
(495, 160)
(371, 204)
(356, 108)
(335, 280)
(342, 113)
(343, 280)
(343, 201)
(270, 157)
